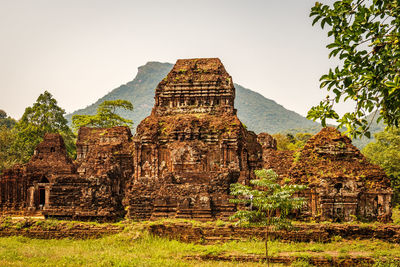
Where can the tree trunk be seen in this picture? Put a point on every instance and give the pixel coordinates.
(266, 245)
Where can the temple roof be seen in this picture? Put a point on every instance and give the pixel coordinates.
(330, 155)
(51, 157)
(199, 85)
(197, 70)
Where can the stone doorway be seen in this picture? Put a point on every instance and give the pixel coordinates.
(42, 197)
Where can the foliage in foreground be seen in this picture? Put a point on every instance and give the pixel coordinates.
(106, 116)
(269, 202)
(366, 40)
(385, 152)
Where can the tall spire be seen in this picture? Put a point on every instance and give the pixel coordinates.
(199, 85)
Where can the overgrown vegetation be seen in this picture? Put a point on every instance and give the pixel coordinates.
(289, 141)
(396, 215)
(269, 203)
(365, 38)
(385, 152)
(7, 137)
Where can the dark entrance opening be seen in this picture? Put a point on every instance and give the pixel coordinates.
(338, 186)
(376, 206)
(42, 196)
(44, 180)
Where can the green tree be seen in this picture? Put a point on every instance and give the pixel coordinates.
(365, 38)
(7, 138)
(3, 114)
(290, 141)
(282, 141)
(45, 116)
(106, 116)
(6, 120)
(270, 203)
(385, 152)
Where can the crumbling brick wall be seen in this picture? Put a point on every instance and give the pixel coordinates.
(104, 165)
(199, 85)
(13, 190)
(25, 189)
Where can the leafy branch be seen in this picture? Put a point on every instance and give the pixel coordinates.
(366, 41)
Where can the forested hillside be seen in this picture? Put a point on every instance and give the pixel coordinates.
(258, 113)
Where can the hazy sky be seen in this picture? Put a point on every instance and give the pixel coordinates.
(81, 49)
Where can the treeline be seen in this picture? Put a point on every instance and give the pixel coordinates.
(385, 152)
(18, 139)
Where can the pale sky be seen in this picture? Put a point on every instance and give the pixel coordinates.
(79, 50)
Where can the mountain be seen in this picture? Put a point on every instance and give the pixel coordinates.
(139, 91)
(258, 113)
(261, 114)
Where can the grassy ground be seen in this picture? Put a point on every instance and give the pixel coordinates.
(135, 247)
(396, 215)
(122, 249)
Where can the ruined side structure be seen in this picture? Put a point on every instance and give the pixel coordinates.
(342, 184)
(192, 146)
(24, 189)
(52, 185)
(183, 159)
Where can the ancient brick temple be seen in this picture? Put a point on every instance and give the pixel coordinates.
(192, 146)
(92, 187)
(183, 159)
(342, 184)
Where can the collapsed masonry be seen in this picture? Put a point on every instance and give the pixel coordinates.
(182, 160)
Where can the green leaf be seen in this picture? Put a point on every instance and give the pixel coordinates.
(368, 49)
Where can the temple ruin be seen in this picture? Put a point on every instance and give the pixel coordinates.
(183, 159)
(192, 146)
(52, 184)
(342, 184)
